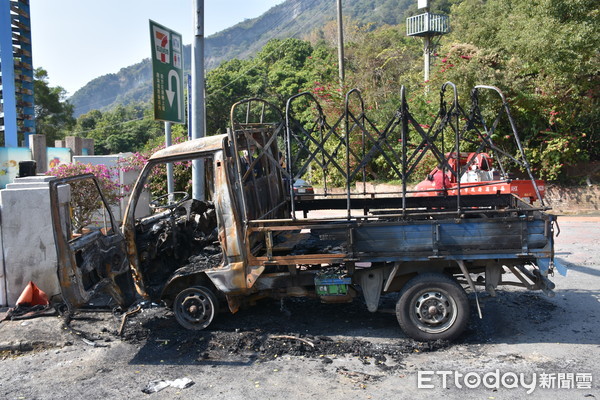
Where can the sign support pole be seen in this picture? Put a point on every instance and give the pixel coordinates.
(198, 111)
(170, 181)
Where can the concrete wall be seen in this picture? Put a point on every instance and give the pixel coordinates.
(580, 199)
(27, 238)
(75, 144)
(9, 163)
(37, 145)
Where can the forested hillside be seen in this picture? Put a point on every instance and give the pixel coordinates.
(292, 18)
(543, 55)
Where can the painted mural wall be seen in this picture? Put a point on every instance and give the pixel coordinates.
(9, 163)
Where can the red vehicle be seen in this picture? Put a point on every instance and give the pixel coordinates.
(478, 176)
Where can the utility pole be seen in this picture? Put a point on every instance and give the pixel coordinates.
(426, 57)
(198, 111)
(340, 43)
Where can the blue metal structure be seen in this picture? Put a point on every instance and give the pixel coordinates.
(17, 72)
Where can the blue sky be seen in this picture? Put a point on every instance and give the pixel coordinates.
(79, 40)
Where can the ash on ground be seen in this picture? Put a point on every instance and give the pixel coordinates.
(301, 328)
(267, 331)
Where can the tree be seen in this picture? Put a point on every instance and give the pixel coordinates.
(157, 183)
(544, 56)
(123, 129)
(283, 63)
(85, 199)
(379, 63)
(281, 69)
(53, 113)
(232, 81)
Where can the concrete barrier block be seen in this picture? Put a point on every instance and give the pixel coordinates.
(3, 301)
(28, 246)
(34, 179)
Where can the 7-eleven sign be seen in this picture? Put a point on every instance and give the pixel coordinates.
(167, 72)
(161, 44)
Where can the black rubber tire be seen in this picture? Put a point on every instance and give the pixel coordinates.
(433, 306)
(195, 307)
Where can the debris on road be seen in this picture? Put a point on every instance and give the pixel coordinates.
(25, 312)
(33, 302)
(157, 386)
(125, 316)
(93, 343)
(308, 342)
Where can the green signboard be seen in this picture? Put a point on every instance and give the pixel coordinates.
(167, 72)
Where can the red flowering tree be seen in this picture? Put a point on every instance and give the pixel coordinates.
(85, 199)
(157, 183)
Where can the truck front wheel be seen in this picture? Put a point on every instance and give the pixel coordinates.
(195, 307)
(432, 306)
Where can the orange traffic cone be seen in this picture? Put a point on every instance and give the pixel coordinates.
(32, 296)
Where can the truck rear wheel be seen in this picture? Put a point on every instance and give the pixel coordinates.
(195, 307)
(432, 306)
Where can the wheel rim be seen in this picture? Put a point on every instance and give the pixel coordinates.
(194, 308)
(433, 311)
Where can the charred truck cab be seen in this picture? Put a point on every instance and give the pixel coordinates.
(253, 237)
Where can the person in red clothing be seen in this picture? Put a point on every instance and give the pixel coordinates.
(440, 181)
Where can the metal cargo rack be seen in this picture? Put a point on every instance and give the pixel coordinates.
(370, 226)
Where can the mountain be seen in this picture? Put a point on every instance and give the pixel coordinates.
(293, 18)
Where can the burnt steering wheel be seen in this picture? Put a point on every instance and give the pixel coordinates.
(171, 203)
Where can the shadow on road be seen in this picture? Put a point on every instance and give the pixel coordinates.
(531, 317)
(580, 268)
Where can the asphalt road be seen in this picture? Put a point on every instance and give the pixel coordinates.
(549, 345)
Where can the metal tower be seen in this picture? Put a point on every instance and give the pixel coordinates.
(428, 26)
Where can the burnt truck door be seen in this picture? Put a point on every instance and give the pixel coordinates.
(91, 260)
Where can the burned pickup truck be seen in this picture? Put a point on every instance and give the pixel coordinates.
(254, 237)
